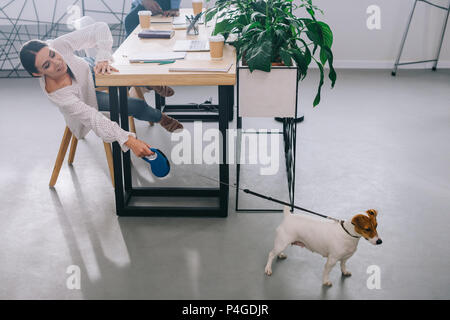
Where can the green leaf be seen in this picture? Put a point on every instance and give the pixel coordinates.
(307, 53)
(259, 57)
(317, 99)
(301, 61)
(315, 33)
(210, 14)
(323, 55)
(286, 57)
(280, 35)
(257, 15)
(221, 27)
(311, 13)
(327, 34)
(329, 57)
(250, 27)
(259, 6)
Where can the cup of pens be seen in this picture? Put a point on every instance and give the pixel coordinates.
(192, 24)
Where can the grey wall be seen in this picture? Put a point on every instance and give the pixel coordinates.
(356, 45)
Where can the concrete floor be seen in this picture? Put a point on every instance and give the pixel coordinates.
(374, 142)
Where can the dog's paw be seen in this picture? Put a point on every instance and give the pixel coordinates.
(268, 271)
(327, 284)
(346, 274)
(282, 256)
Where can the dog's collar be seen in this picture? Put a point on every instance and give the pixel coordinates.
(342, 225)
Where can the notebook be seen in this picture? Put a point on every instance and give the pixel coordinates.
(156, 34)
(180, 20)
(161, 19)
(191, 45)
(156, 57)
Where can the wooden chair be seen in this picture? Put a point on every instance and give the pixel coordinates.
(134, 91)
(67, 137)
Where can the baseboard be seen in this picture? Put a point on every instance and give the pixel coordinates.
(371, 64)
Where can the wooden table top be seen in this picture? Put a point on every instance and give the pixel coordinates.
(140, 74)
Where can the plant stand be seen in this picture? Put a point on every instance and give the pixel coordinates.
(397, 61)
(297, 120)
(289, 127)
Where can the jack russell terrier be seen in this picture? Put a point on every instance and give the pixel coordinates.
(337, 241)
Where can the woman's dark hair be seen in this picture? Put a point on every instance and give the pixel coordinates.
(28, 54)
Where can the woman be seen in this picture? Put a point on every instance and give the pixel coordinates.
(68, 81)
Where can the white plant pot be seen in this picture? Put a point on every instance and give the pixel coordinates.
(267, 94)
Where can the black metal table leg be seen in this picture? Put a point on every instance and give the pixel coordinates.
(117, 153)
(225, 99)
(123, 98)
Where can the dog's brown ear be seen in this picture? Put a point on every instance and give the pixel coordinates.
(372, 212)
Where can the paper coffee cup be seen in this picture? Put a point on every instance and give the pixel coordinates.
(216, 44)
(197, 6)
(145, 18)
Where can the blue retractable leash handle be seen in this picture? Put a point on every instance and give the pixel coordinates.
(159, 164)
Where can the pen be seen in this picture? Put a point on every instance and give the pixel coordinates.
(158, 61)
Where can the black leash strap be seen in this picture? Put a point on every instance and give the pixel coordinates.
(271, 199)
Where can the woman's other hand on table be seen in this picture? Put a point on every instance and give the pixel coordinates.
(153, 6)
(103, 67)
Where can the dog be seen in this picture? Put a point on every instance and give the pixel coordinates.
(336, 241)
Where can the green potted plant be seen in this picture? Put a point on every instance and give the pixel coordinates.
(267, 34)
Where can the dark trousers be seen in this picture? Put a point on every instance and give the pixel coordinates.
(132, 19)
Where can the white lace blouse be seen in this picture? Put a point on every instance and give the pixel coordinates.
(78, 102)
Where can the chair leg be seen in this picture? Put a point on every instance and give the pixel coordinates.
(139, 92)
(60, 157)
(73, 148)
(132, 124)
(109, 158)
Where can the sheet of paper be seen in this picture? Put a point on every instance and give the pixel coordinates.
(157, 56)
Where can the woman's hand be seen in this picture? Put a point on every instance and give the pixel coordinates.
(171, 13)
(153, 6)
(139, 148)
(104, 66)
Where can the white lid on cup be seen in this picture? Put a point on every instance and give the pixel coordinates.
(145, 13)
(217, 38)
(197, 1)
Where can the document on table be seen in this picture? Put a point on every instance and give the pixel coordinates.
(156, 57)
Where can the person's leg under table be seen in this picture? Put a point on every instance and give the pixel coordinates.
(132, 19)
(137, 108)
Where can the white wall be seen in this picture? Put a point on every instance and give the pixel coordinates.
(354, 44)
